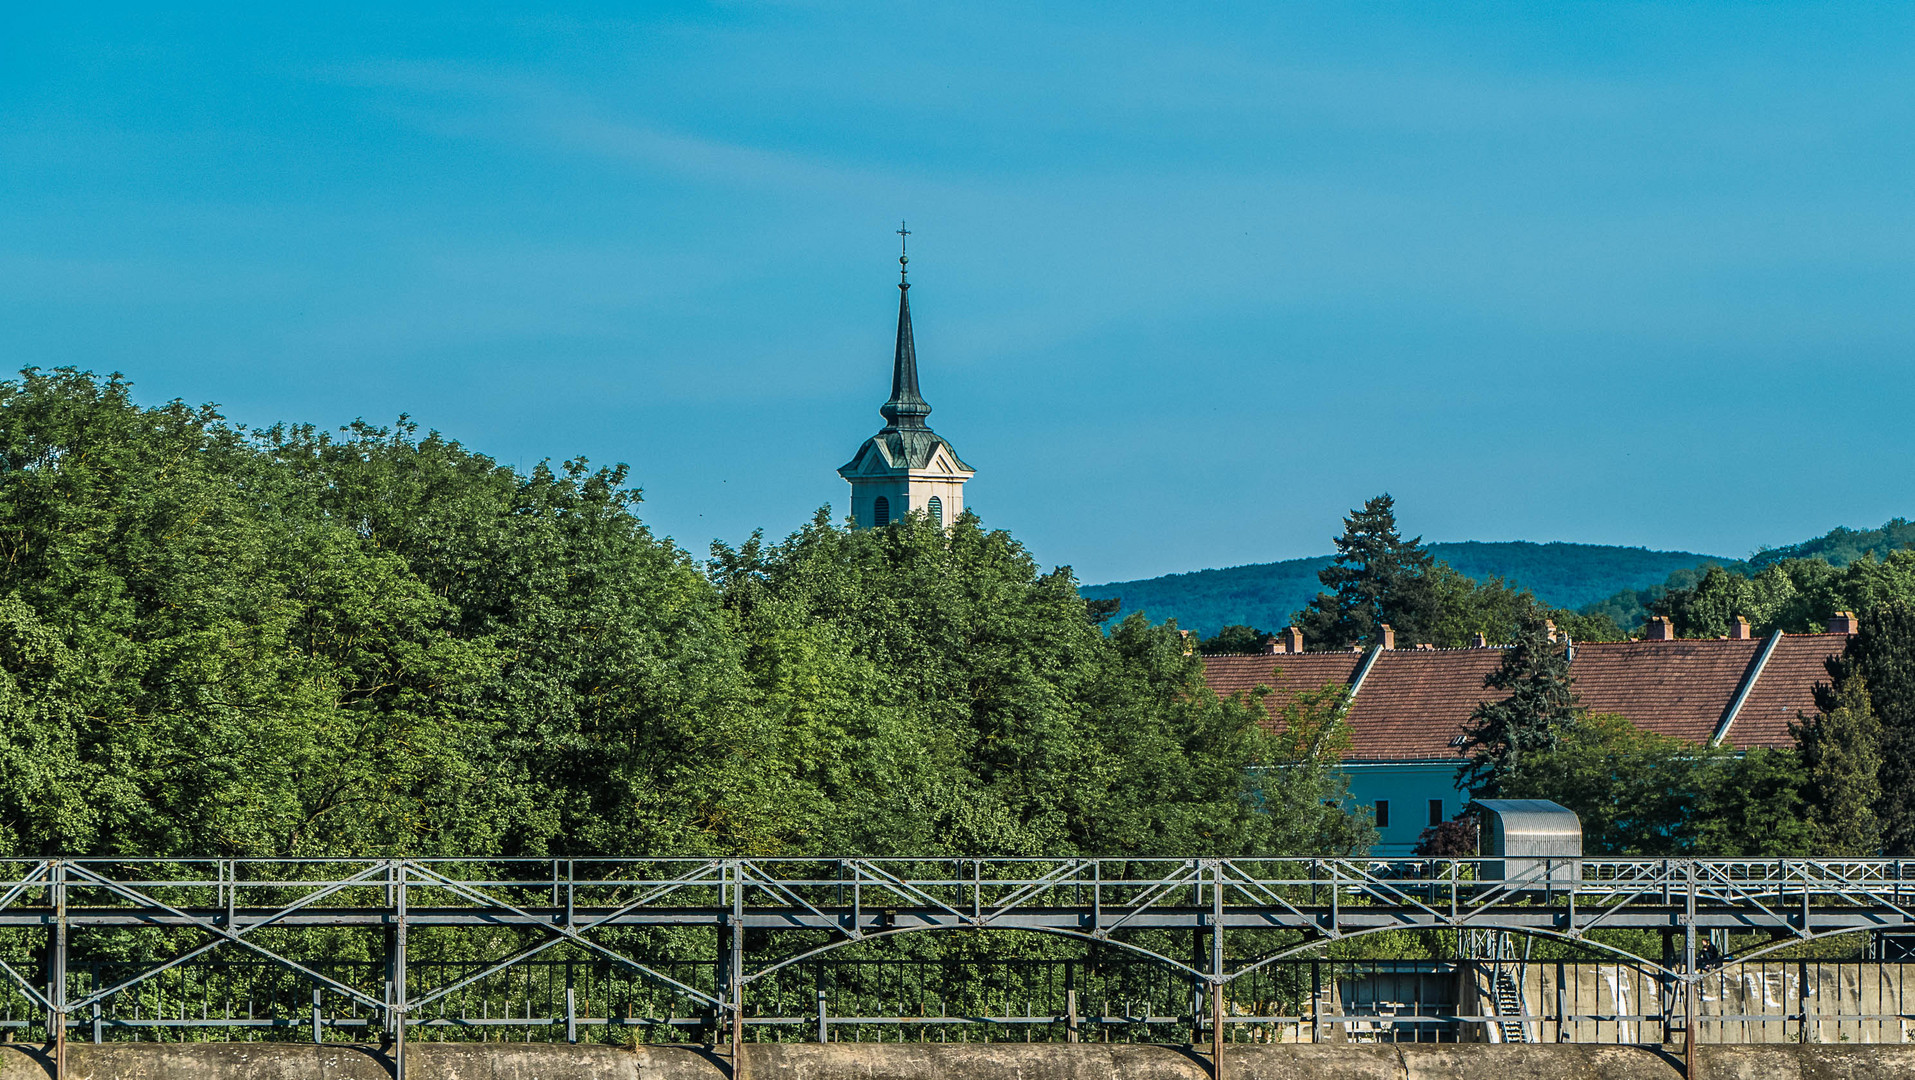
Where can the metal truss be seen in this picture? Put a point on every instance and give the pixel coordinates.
(812, 907)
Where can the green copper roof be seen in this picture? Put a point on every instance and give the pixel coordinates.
(907, 408)
(906, 442)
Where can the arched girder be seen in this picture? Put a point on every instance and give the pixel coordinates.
(1801, 939)
(833, 946)
(1639, 962)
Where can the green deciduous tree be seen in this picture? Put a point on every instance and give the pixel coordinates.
(1640, 793)
(941, 695)
(1235, 641)
(370, 641)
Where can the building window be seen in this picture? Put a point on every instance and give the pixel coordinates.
(1436, 811)
(936, 507)
(881, 511)
(1383, 813)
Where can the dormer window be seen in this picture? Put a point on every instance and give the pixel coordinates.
(936, 508)
(881, 512)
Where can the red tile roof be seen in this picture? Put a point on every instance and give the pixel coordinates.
(1284, 675)
(1678, 688)
(1784, 689)
(1414, 702)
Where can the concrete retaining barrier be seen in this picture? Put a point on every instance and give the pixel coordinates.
(953, 1061)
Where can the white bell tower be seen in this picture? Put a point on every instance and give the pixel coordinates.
(905, 468)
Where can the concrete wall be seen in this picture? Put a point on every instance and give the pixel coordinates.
(950, 1061)
(1759, 1002)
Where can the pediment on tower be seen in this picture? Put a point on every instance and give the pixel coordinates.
(945, 463)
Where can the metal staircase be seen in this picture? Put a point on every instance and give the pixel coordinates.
(1509, 1003)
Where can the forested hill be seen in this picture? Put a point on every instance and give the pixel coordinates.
(1265, 594)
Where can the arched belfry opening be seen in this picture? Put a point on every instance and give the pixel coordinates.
(906, 467)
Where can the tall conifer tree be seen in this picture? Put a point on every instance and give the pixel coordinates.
(1540, 706)
(1378, 577)
(1883, 655)
(1841, 766)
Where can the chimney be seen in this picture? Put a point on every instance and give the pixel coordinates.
(1190, 641)
(1292, 639)
(1478, 641)
(1549, 627)
(1739, 630)
(1386, 636)
(1659, 629)
(1843, 623)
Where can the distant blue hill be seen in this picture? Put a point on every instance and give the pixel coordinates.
(1265, 594)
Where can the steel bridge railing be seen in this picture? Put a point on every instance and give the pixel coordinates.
(1211, 923)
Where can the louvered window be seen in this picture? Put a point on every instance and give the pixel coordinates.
(936, 507)
(881, 511)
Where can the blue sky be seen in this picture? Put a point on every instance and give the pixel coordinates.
(1191, 280)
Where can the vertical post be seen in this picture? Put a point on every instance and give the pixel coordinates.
(93, 987)
(1070, 1001)
(737, 973)
(571, 1005)
(56, 971)
(824, 1021)
(1216, 969)
(398, 982)
(318, 1032)
(1316, 1001)
(1562, 1005)
(1802, 998)
(1197, 1002)
(1689, 975)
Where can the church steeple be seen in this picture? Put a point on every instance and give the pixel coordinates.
(906, 468)
(907, 408)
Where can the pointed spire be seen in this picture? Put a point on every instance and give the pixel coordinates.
(907, 408)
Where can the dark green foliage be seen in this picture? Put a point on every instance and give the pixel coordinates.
(1793, 588)
(938, 694)
(1498, 611)
(1540, 704)
(1561, 576)
(1841, 752)
(1639, 793)
(1794, 596)
(1234, 640)
(215, 641)
(1842, 546)
(1464, 608)
(1882, 654)
(1377, 579)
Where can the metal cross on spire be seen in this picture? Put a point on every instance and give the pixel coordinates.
(904, 258)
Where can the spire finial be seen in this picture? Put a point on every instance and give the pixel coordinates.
(907, 408)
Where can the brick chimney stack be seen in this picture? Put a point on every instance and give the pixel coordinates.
(1292, 639)
(1386, 636)
(1843, 623)
(1739, 631)
(1478, 641)
(1549, 627)
(1659, 629)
